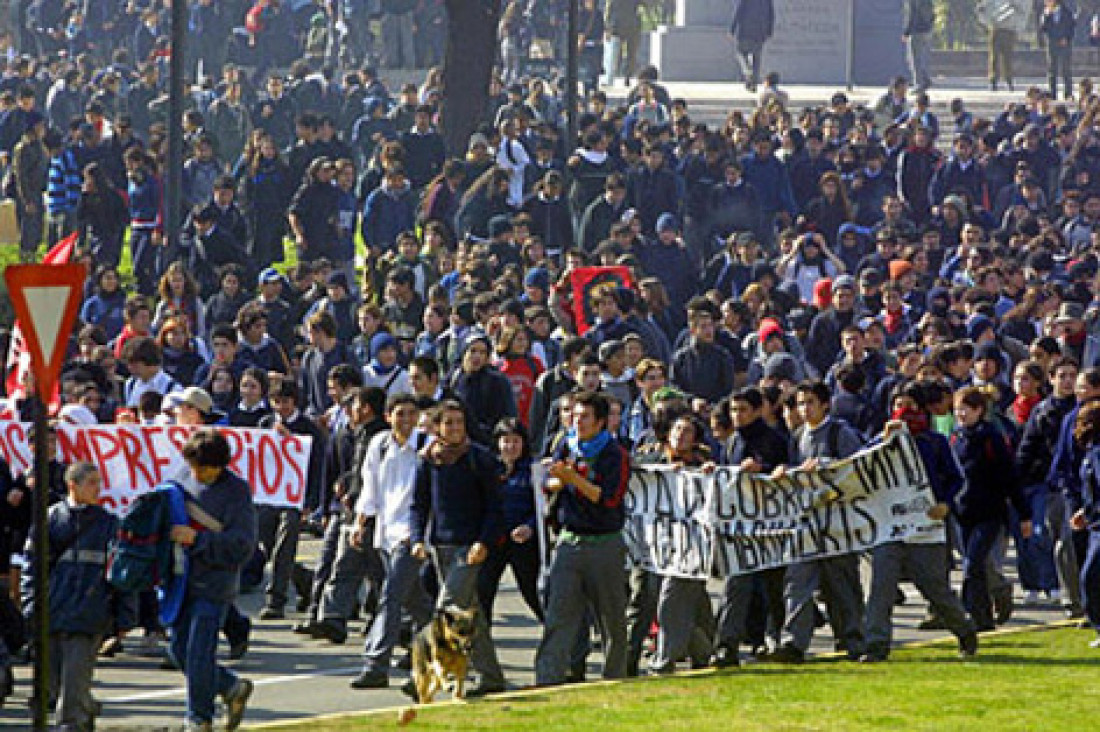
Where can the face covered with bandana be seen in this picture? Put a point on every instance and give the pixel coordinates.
(914, 418)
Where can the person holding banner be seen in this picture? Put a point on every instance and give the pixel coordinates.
(821, 438)
(589, 472)
(755, 447)
(684, 613)
(925, 563)
(982, 506)
(279, 526)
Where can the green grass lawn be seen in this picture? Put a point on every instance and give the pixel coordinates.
(1044, 679)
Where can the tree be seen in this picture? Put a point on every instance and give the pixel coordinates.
(467, 67)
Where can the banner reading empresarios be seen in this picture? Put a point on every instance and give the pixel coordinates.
(136, 458)
(687, 524)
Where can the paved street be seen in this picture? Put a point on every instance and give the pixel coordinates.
(299, 678)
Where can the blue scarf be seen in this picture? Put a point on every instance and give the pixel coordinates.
(587, 450)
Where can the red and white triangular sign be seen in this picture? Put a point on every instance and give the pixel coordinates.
(46, 298)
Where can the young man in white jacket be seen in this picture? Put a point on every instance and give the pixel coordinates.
(384, 516)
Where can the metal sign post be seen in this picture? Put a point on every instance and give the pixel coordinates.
(46, 298)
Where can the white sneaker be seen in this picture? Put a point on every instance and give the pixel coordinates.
(1031, 598)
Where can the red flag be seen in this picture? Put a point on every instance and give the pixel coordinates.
(588, 283)
(19, 358)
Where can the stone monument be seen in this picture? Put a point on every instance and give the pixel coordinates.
(812, 43)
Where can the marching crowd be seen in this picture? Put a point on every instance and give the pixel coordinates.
(792, 285)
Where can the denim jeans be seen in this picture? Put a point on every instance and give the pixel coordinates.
(978, 542)
(144, 256)
(194, 647)
(401, 589)
(1035, 556)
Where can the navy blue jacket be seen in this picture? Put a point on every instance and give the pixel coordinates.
(314, 377)
(461, 502)
(754, 20)
(79, 594)
(269, 355)
(518, 498)
(386, 214)
(944, 473)
(1087, 495)
(953, 178)
(672, 264)
(610, 470)
(991, 479)
(1059, 26)
(1040, 439)
(773, 187)
(217, 556)
(703, 370)
(759, 441)
(424, 156)
(1065, 466)
(652, 193)
(317, 206)
(488, 397)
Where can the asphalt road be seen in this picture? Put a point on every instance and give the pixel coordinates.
(297, 678)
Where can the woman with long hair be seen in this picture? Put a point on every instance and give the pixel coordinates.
(180, 360)
(1029, 382)
(520, 548)
(1024, 322)
(433, 81)
(547, 107)
(266, 189)
(486, 198)
(515, 361)
(221, 384)
(106, 308)
(441, 197)
(661, 314)
(830, 209)
(809, 261)
(179, 295)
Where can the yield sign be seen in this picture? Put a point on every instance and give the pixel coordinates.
(46, 299)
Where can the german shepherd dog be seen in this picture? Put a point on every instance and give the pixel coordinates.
(442, 650)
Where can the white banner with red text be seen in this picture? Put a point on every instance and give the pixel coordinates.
(135, 458)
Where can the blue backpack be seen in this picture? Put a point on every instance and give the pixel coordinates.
(143, 557)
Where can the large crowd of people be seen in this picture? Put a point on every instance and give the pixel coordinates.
(801, 281)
